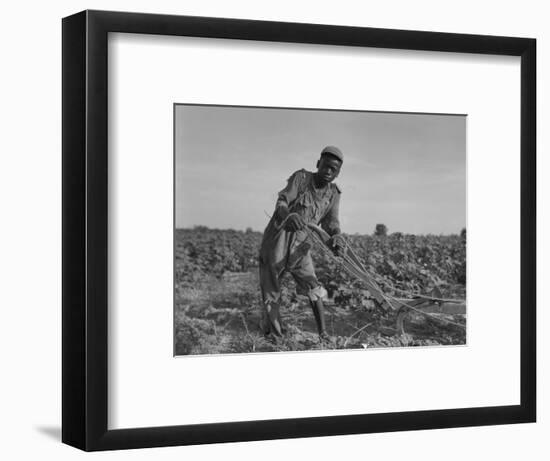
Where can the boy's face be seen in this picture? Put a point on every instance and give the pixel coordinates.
(328, 168)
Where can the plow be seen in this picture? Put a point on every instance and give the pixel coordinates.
(431, 307)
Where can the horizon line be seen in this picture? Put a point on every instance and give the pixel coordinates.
(346, 233)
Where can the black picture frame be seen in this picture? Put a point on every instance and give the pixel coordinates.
(85, 223)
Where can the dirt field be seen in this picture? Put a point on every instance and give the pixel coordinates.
(218, 311)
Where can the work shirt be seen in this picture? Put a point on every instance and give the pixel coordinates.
(282, 250)
(314, 205)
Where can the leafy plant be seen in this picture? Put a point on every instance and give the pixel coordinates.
(216, 278)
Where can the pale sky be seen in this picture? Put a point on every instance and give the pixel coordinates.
(407, 171)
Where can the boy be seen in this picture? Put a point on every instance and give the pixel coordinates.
(308, 198)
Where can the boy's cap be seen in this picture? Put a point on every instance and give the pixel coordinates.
(334, 151)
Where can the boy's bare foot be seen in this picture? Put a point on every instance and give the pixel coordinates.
(324, 337)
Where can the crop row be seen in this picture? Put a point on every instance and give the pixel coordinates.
(402, 263)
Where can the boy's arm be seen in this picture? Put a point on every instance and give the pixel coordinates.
(288, 195)
(330, 222)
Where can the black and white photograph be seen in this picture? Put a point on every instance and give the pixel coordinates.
(300, 229)
(281, 230)
(265, 231)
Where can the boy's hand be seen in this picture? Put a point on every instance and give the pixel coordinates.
(338, 244)
(282, 212)
(294, 223)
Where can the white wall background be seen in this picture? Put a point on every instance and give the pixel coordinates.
(30, 243)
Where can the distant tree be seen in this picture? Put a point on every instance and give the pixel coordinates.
(249, 230)
(381, 230)
(463, 233)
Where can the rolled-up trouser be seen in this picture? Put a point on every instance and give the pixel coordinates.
(300, 266)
